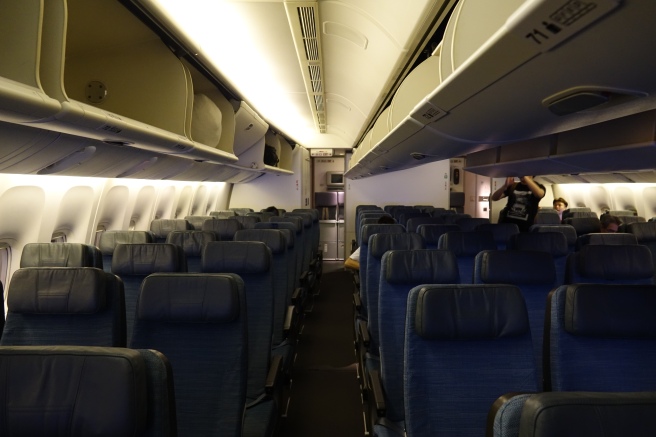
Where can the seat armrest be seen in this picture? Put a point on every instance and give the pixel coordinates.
(378, 393)
(510, 416)
(363, 332)
(274, 377)
(357, 302)
(291, 320)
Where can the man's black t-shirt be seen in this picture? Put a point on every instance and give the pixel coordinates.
(522, 206)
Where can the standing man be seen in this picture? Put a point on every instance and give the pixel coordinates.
(523, 200)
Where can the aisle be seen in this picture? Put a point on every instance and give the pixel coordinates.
(325, 396)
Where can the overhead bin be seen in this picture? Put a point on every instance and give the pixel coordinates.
(547, 68)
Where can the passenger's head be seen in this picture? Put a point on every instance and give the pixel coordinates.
(272, 209)
(386, 220)
(560, 204)
(609, 223)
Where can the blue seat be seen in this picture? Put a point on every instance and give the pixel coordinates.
(547, 217)
(79, 391)
(645, 233)
(299, 247)
(618, 264)
(431, 233)
(252, 261)
(501, 232)
(161, 228)
(82, 306)
(619, 238)
(224, 229)
(464, 346)
(247, 221)
(133, 262)
(554, 243)
(601, 337)
(471, 223)
(401, 270)
(60, 255)
(197, 221)
(198, 321)
(110, 239)
(567, 230)
(465, 245)
(584, 225)
(533, 272)
(192, 243)
(413, 223)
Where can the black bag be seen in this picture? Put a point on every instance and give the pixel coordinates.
(270, 156)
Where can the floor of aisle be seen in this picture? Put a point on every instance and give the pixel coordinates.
(325, 395)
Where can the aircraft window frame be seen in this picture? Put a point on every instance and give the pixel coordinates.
(5, 262)
(99, 231)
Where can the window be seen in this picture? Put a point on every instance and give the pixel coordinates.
(58, 237)
(5, 262)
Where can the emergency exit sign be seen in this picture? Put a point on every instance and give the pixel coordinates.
(321, 152)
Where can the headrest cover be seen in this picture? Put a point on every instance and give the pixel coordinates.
(589, 414)
(241, 257)
(73, 391)
(271, 237)
(52, 290)
(432, 233)
(607, 310)
(525, 267)
(190, 297)
(470, 312)
(190, 241)
(224, 228)
(161, 227)
(381, 243)
(467, 243)
(554, 243)
(619, 238)
(369, 230)
(421, 267)
(644, 232)
(144, 259)
(110, 239)
(56, 255)
(614, 262)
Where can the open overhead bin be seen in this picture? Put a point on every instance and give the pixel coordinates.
(516, 71)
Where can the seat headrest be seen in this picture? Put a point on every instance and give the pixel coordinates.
(432, 233)
(57, 255)
(288, 229)
(190, 297)
(241, 257)
(554, 243)
(526, 267)
(605, 238)
(368, 230)
(644, 232)
(144, 259)
(304, 216)
(224, 228)
(296, 221)
(381, 243)
(55, 290)
(110, 239)
(467, 243)
(197, 221)
(67, 390)
(470, 312)
(191, 241)
(567, 230)
(421, 266)
(271, 237)
(161, 227)
(608, 310)
(614, 262)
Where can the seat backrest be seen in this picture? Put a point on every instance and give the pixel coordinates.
(299, 241)
(547, 217)
(584, 225)
(645, 233)
(198, 321)
(619, 264)
(401, 270)
(224, 229)
(133, 262)
(567, 230)
(464, 346)
(379, 244)
(501, 232)
(289, 232)
(161, 227)
(82, 306)
(79, 391)
(110, 239)
(251, 260)
(196, 221)
(601, 337)
(431, 233)
(471, 223)
(414, 222)
(248, 221)
(465, 245)
(375, 214)
(366, 232)
(554, 243)
(533, 272)
(60, 255)
(605, 238)
(404, 217)
(223, 214)
(191, 243)
(280, 264)
(453, 218)
(241, 211)
(596, 414)
(628, 219)
(569, 212)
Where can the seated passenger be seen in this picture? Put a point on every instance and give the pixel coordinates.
(523, 201)
(353, 261)
(609, 223)
(560, 205)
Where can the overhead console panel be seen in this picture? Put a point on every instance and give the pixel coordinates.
(514, 71)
